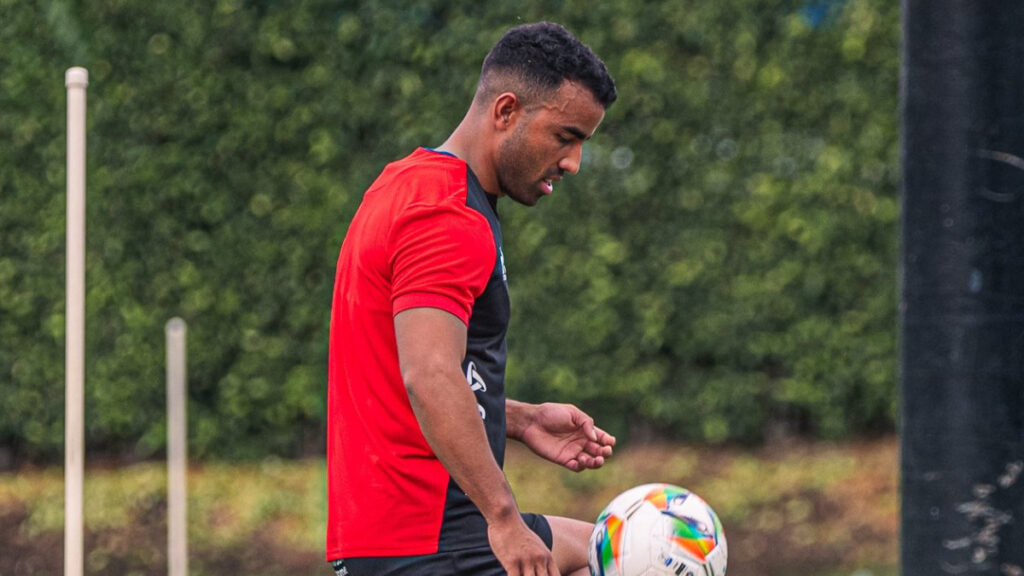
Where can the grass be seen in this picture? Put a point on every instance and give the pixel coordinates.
(811, 509)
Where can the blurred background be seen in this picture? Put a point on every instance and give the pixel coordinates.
(717, 286)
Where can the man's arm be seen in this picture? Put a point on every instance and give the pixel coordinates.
(431, 346)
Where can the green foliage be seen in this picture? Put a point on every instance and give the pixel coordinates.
(723, 267)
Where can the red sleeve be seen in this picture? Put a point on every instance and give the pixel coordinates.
(441, 257)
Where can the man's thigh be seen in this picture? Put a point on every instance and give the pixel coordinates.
(471, 562)
(571, 544)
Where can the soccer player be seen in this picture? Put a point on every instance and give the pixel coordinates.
(417, 413)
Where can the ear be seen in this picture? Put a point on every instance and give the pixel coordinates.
(505, 111)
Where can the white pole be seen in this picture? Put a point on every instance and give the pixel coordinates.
(76, 80)
(177, 461)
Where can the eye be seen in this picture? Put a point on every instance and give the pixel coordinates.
(564, 139)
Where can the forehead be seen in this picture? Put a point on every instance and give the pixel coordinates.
(573, 105)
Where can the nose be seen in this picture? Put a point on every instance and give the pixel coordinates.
(571, 162)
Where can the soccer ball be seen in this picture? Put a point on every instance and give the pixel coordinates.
(658, 530)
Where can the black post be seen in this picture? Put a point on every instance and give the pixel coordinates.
(962, 310)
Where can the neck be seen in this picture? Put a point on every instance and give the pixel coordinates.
(466, 144)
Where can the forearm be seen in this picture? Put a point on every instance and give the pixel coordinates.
(446, 410)
(518, 416)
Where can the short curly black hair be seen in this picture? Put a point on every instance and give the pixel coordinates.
(543, 55)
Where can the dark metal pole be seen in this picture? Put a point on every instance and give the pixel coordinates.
(962, 309)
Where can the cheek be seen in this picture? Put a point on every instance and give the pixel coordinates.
(527, 158)
(545, 155)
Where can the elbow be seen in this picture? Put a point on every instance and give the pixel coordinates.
(422, 381)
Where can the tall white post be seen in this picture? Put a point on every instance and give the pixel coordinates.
(177, 448)
(76, 80)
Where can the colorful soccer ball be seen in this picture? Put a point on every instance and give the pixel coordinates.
(658, 530)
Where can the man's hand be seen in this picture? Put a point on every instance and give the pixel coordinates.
(562, 433)
(519, 549)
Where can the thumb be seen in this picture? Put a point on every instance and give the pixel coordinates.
(586, 423)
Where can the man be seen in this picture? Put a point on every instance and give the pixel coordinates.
(417, 414)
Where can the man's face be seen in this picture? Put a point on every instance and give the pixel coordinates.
(546, 142)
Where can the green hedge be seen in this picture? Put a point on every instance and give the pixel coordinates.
(723, 268)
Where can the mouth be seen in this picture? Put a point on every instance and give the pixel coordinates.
(548, 184)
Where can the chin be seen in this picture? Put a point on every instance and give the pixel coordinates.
(526, 199)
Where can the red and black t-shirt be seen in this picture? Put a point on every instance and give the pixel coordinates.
(425, 235)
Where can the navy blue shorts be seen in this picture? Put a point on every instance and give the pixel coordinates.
(472, 561)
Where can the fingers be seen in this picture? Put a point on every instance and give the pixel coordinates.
(604, 438)
(585, 461)
(544, 570)
(585, 423)
(541, 567)
(520, 551)
(593, 453)
(552, 567)
(567, 435)
(597, 446)
(602, 447)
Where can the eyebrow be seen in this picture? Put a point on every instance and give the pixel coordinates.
(576, 132)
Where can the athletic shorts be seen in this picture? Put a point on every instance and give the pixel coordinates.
(470, 562)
